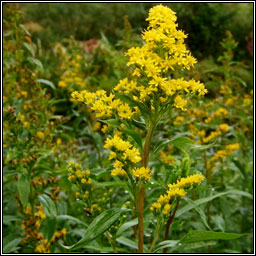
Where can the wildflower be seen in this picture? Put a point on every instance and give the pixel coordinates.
(40, 135)
(190, 180)
(142, 173)
(224, 127)
(166, 209)
(133, 155)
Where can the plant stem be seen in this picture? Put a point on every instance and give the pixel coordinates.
(147, 144)
(155, 237)
(145, 158)
(111, 242)
(141, 208)
(168, 224)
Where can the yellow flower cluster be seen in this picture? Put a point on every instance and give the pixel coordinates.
(166, 158)
(221, 112)
(176, 190)
(72, 76)
(141, 173)
(103, 105)
(190, 180)
(221, 129)
(118, 170)
(44, 247)
(40, 213)
(81, 178)
(32, 224)
(178, 120)
(221, 154)
(122, 150)
(164, 50)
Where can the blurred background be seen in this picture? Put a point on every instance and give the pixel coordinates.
(205, 23)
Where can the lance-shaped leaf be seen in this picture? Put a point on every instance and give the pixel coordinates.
(98, 226)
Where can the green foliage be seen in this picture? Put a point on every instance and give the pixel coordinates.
(48, 137)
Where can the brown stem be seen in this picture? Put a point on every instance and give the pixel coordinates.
(168, 224)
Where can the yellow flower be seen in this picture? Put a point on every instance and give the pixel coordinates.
(83, 181)
(166, 209)
(96, 126)
(62, 84)
(40, 135)
(179, 102)
(156, 205)
(142, 173)
(58, 141)
(190, 180)
(224, 127)
(133, 155)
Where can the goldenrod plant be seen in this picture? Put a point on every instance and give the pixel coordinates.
(132, 147)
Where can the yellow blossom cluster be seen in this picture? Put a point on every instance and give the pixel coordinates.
(163, 51)
(32, 224)
(121, 151)
(221, 112)
(44, 247)
(176, 190)
(81, 178)
(72, 76)
(103, 105)
(178, 120)
(141, 173)
(221, 154)
(166, 158)
(220, 130)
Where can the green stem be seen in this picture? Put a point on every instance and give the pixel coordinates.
(155, 237)
(145, 159)
(111, 242)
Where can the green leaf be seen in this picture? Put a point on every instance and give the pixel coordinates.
(127, 225)
(9, 218)
(161, 144)
(70, 218)
(140, 125)
(209, 198)
(51, 225)
(112, 122)
(47, 82)
(29, 48)
(184, 143)
(128, 242)
(135, 135)
(24, 189)
(165, 244)
(110, 184)
(241, 81)
(98, 226)
(48, 205)
(191, 246)
(10, 243)
(26, 31)
(202, 235)
(199, 210)
(36, 62)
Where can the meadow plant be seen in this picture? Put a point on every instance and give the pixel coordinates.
(144, 98)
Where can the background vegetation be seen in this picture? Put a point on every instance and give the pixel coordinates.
(53, 49)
